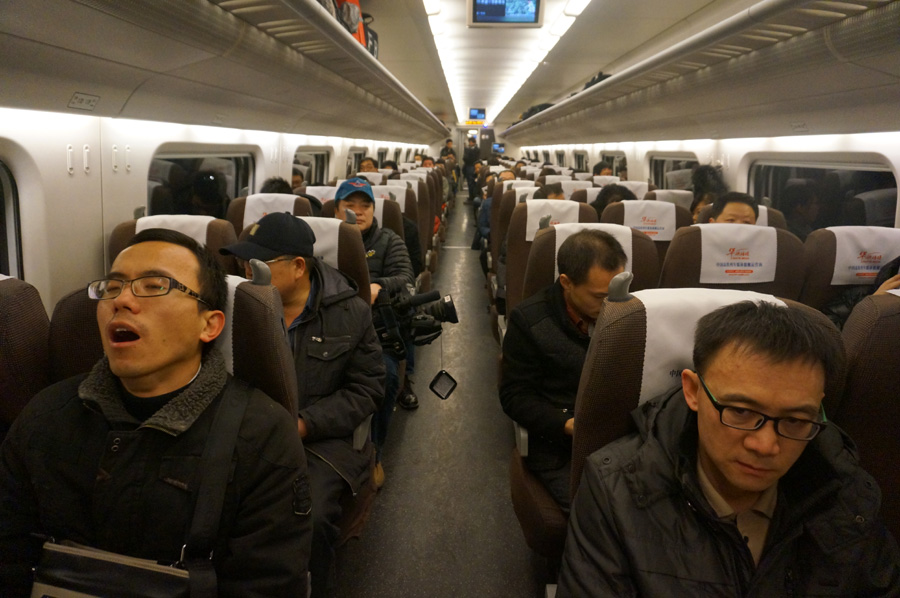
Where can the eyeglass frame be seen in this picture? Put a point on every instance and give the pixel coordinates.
(173, 284)
(818, 426)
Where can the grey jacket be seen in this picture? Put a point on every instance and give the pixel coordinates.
(77, 466)
(340, 372)
(640, 525)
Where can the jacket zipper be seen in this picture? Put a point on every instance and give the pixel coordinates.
(330, 464)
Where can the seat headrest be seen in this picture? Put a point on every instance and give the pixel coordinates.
(406, 184)
(679, 179)
(582, 176)
(391, 192)
(605, 179)
(414, 176)
(322, 192)
(326, 231)
(525, 193)
(653, 218)
(559, 210)
(192, 226)
(556, 178)
(672, 316)
(570, 186)
(861, 251)
(639, 188)
(620, 233)
(737, 253)
(374, 178)
(674, 196)
(516, 183)
(260, 204)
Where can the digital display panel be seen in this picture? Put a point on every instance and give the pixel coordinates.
(499, 148)
(510, 13)
(476, 113)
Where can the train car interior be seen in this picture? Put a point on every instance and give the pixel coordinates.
(119, 116)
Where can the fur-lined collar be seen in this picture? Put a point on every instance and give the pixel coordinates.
(101, 391)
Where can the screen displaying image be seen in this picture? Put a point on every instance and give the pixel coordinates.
(476, 113)
(523, 12)
(499, 148)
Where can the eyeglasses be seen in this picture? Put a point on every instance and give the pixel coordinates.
(742, 418)
(279, 259)
(145, 286)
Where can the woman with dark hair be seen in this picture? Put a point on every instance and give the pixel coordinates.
(707, 184)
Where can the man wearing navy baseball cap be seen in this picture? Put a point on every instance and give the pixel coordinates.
(340, 374)
(390, 270)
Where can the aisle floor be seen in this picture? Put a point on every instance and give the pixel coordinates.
(443, 524)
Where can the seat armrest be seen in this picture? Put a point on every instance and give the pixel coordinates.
(362, 432)
(521, 439)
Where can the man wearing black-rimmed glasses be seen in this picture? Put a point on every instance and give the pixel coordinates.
(736, 484)
(112, 459)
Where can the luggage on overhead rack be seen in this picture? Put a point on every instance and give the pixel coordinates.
(371, 35)
(350, 15)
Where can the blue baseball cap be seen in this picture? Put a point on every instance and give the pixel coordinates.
(354, 185)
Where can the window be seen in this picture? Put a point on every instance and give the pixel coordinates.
(197, 184)
(10, 229)
(581, 161)
(560, 158)
(546, 156)
(836, 189)
(382, 156)
(408, 152)
(672, 172)
(397, 155)
(353, 159)
(618, 162)
(313, 165)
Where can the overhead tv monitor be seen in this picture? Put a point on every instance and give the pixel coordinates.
(499, 148)
(504, 13)
(476, 113)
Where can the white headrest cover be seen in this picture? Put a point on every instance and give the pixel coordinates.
(373, 177)
(639, 188)
(655, 219)
(862, 251)
(672, 316)
(737, 253)
(260, 204)
(4, 277)
(560, 211)
(674, 196)
(225, 341)
(605, 179)
(622, 234)
(498, 168)
(192, 226)
(516, 183)
(591, 193)
(763, 218)
(532, 169)
(391, 192)
(414, 176)
(322, 192)
(386, 171)
(570, 186)
(326, 231)
(582, 176)
(556, 178)
(402, 183)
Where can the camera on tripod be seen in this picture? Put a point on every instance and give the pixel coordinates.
(419, 317)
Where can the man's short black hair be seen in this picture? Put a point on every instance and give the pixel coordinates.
(706, 180)
(586, 249)
(448, 141)
(213, 288)
(780, 334)
(718, 206)
(369, 159)
(600, 167)
(389, 164)
(796, 196)
(276, 184)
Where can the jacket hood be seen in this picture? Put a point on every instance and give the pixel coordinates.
(334, 285)
(101, 391)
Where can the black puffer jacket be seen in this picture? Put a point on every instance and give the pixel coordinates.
(76, 466)
(640, 525)
(543, 353)
(387, 259)
(339, 372)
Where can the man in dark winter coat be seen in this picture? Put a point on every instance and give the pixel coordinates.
(544, 350)
(390, 272)
(110, 459)
(339, 370)
(471, 155)
(735, 484)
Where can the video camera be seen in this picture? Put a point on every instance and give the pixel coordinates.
(417, 316)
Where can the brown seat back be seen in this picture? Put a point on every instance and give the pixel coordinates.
(682, 266)
(614, 213)
(262, 204)
(869, 411)
(24, 355)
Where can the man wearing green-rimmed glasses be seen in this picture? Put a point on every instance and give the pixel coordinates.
(736, 484)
